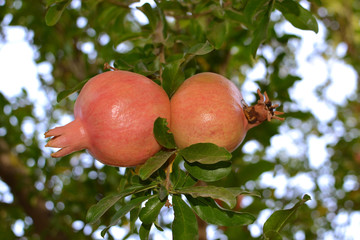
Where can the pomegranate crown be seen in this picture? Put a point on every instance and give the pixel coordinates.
(262, 111)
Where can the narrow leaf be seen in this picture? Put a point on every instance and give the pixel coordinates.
(124, 210)
(235, 16)
(255, 8)
(298, 16)
(281, 217)
(201, 49)
(144, 231)
(154, 163)
(205, 153)
(239, 191)
(66, 93)
(54, 13)
(162, 134)
(134, 215)
(51, 2)
(149, 213)
(261, 30)
(211, 191)
(97, 210)
(209, 172)
(185, 224)
(211, 213)
(150, 14)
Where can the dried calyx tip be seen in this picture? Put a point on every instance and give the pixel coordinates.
(107, 67)
(262, 111)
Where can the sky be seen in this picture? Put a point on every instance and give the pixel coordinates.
(18, 70)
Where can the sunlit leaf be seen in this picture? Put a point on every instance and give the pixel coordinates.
(211, 213)
(280, 218)
(209, 172)
(154, 163)
(298, 16)
(205, 153)
(211, 191)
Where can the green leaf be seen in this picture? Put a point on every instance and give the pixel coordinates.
(178, 177)
(298, 16)
(217, 34)
(235, 16)
(239, 191)
(280, 218)
(97, 210)
(134, 215)
(185, 224)
(211, 191)
(150, 14)
(162, 134)
(133, 203)
(254, 9)
(154, 163)
(144, 231)
(261, 29)
(158, 227)
(210, 212)
(54, 13)
(201, 48)
(51, 2)
(68, 92)
(163, 193)
(209, 172)
(172, 76)
(149, 213)
(272, 235)
(205, 153)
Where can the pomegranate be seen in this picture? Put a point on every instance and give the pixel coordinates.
(114, 117)
(210, 108)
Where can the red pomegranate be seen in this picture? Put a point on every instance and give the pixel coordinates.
(114, 117)
(210, 108)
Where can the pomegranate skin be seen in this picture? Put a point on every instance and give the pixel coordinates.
(114, 117)
(207, 109)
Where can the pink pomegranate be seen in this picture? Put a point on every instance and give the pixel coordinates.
(209, 108)
(114, 117)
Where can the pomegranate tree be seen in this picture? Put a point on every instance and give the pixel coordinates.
(209, 108)
(114, 117)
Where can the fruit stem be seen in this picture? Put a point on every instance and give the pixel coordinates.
(262, 111)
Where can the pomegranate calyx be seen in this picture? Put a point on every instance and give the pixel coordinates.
(262, 111)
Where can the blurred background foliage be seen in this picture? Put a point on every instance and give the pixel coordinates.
(49, 197)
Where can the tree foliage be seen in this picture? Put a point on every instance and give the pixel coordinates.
(76, 197)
